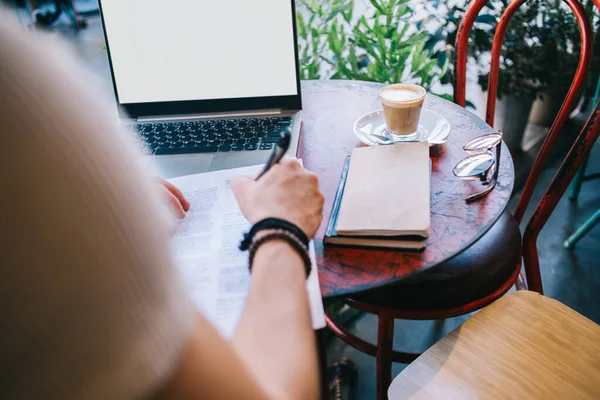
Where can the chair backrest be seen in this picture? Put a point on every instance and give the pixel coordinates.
(580, 148)
(578, 153)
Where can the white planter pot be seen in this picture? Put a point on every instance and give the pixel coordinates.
(545, 110)
(511, 118)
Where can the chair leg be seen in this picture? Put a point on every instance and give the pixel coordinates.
(582, 231)
(532, 266)
(385, 344)
(577, 181)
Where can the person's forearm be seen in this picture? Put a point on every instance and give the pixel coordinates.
(275, 337)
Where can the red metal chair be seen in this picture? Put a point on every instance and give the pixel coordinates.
(491, 266)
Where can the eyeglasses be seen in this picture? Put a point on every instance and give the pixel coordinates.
(482, 164)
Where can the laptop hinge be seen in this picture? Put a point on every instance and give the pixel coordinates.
(189, 117)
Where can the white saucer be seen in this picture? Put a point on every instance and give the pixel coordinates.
(433, 128)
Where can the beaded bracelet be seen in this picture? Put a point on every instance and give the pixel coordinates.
(286, 236)
(269, 224)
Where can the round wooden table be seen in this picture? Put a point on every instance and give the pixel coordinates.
(329, 111)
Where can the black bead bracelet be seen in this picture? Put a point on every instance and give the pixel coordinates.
(279, 229)
(273, 223)
(289, 238)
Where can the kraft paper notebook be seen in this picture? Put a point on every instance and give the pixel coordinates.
(384, 199)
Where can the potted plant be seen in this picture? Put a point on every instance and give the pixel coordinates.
(382, 44)
(539, 57)
(559, 49)
(518, 82)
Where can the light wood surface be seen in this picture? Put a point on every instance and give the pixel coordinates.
(523, 346)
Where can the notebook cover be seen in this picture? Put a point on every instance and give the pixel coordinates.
(335, 209)
(387, 192)
(330, 232)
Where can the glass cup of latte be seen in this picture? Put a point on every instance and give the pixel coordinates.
(402, 105)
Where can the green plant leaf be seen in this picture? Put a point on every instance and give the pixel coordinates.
(482, 39)
(415, 39)
(333, 40)
(393, 49)
(365, 77)
(402, 12)
(314, 5)
(301, 26)
(381, 48)
(327, 60)
(428, 68)
(378, 7)
(444, 67)
(382, 73)
(344, 71)
(442, 59)
(403, 31)
(445, 96)
(362, 21)
(309, 7)
(486, 19)
(349, 11)
(352, 59)
(418, 56)
(401, 63)
(313, 71)
(398, 71)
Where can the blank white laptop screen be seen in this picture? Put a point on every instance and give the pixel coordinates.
(200, 49)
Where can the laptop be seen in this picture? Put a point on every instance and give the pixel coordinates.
(204, 85)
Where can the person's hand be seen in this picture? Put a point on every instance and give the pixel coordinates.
(286, 191)
(174, 199)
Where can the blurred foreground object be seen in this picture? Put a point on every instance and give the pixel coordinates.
(45, 13)
(523, 346)
(342, 376)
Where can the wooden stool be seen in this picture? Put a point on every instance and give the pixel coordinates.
(523, 346)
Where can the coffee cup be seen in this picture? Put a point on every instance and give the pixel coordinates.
(402, 105)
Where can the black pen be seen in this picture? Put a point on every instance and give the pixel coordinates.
(278, 151)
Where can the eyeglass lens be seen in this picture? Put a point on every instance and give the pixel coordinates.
(483, 143)
(474, 166)
(482, 164)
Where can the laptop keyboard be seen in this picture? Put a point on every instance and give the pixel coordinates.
(210, 136)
